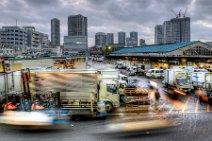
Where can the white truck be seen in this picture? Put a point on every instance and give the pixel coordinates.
(110, 94)
(122, 80)
(202, 79)
(122, 83)
(135, 70)
(177, 79)
(79, 90)
(122, 64)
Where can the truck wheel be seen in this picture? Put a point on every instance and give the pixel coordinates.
(74, 118)
(109, 107)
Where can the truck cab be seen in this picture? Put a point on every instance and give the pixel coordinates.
(109, 88)
(183, 84)
(177, 78)
(122, 80)
(108, 93)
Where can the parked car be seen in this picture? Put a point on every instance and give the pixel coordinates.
(156, 73)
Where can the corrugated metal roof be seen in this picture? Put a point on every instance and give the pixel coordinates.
(154, 48)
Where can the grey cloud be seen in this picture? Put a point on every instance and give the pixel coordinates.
(107, 15)
(40, 3)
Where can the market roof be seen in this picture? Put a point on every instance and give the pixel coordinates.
(154, 48)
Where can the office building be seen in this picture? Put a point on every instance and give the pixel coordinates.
(167, 32)
(13, 37)
(134, 38)
(142, 42)
(158, 34)
(77, 25)
(55, 32)
(180, 29)
(36, 39)
(121, 38)
(129, 42)
(110, 39)
(77, 39)
(174, 31)
(100, 40)
(75, 44)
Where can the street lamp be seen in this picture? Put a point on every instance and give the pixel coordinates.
(109, 48)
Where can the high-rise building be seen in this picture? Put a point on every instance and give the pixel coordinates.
(174, 31)
(142, 42)
(13, 37)
(167, 32)
(129, 42)
(121, 38)
(100, 40)
(110, 39)
(77, 39)
(158, 34)
(77, 25)
(55, 32)
(180, 29)
(134, 38)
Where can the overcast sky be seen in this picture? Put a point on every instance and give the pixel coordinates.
(109, 15)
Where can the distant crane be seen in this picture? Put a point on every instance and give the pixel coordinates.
(179, 14)
(184, 14)
(174, 13)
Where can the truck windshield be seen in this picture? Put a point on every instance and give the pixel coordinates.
(125, 79)
(182, 80)
(111, 88)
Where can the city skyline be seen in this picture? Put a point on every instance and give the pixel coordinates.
(108, 16)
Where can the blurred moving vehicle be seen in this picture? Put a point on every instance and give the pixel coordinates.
(143, 124)
(155, 73)
(209, 69)
(46, 118)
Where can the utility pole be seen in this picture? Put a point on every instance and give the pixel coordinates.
(5, 80)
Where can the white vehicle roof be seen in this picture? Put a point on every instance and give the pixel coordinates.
(122, 75)
(66, 70)
(200, 70)
(155, 69)
(180, 70)
(108, 81)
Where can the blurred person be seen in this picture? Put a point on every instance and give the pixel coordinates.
(26, 105)
(154, 97)
(9, 106)
(157, 98)
(201, 94)
(51, 103)
(36, 106)
(1, 106)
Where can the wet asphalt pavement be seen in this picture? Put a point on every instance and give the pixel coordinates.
(195, 123)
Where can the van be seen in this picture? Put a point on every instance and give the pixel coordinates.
(156, 73)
